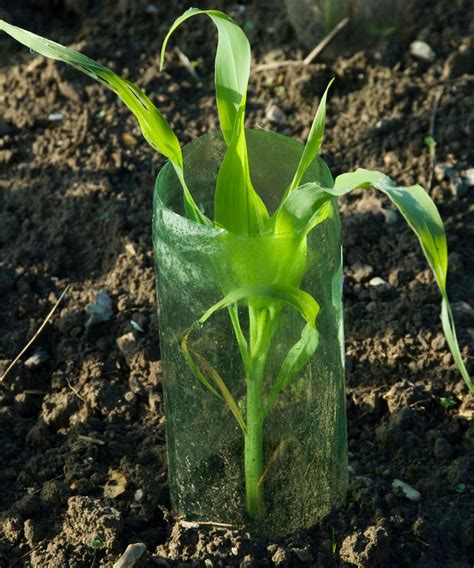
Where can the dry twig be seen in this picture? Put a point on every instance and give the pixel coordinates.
(32, 340)
(311, 56)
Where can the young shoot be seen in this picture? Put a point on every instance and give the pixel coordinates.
(239, 209)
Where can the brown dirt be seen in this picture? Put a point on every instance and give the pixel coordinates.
(75, 208)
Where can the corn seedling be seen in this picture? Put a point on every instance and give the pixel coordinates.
(238, 209)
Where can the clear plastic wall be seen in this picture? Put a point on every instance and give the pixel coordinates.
(288, 468)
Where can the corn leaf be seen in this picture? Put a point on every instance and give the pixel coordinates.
(416, 206)
(303, 209)
(221, 390)
(295, 361)
(232, 67)
(155, 129)
(313, 144)
(295, 297)
(237, 206)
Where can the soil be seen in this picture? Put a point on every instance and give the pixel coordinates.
(83, 456)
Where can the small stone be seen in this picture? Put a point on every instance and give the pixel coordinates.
(281, 557)
(398, 277)
(361, 271)
(131, 556)
(129, 139)
(139, 494)
(55, 117)
(128, 346)
(151, 9)
(438, 343)
(129, 247)
(37, 360)
(136, 326)
(272, 548)
(11, 527)
(410, 492)
(101, 310)
(391, 216)
(444, 171)
(369, 205)
(379, 289)
(377, 281)
(274, 113)
(468, 177)
(421, 50)
(457, 184)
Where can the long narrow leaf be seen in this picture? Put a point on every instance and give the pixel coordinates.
(417, 208)
(156, 130)
(237, 206)
(313, 144)
(295, 297)
(225, 392)
(232, 68)
(222, 391)
(294, 362)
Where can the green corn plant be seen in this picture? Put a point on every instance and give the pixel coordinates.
(262, 292)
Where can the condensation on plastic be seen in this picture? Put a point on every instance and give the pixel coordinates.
(305, 441)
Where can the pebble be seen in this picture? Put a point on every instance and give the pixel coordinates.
(131, 556)
(457, 184)
(129, 139)
(136, 326)
(468, 177)
(128, 346)
(438, 343)
(151, 9)
(369, 205)
(274, 113)
(377, 281)
(281, 557)
(421, 50)
(361, 271)
(101, 310)
(391, 216)
(410, 492)
(55, 117)
(37, 360)
(398, 277)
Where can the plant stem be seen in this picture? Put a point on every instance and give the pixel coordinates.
(262, 323)
(254, 465)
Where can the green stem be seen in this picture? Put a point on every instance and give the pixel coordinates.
(262, 323)
(254, 464)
